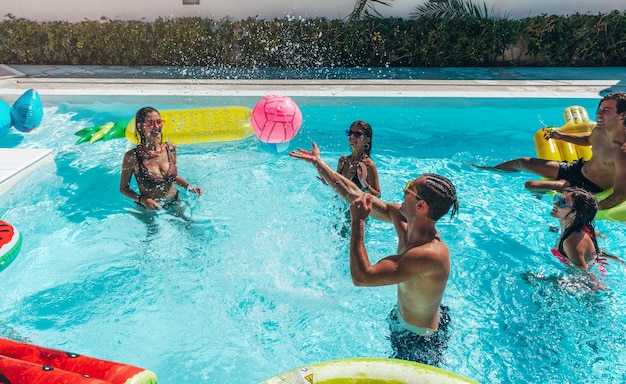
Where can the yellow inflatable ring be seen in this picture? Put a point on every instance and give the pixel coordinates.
(576, 121)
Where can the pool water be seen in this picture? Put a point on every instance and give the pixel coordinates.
(259, 282)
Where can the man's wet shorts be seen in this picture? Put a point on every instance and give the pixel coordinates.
(572, 172)
(408, 345)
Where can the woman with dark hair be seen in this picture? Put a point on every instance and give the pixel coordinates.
(575, 210)
(359, 166)
(153, 163)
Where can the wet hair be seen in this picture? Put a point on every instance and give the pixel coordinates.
(620, 98)
(439, 193)
(585, 208)
(367, 131)
(140, 117)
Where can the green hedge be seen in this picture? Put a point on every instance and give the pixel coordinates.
(577, 40)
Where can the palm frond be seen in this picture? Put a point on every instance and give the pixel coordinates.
(453, 9)
(365, 9)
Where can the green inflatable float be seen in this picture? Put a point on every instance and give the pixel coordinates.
(104, 132)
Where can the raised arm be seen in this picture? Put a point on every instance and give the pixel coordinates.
(344, 187)
(583, 140)
(414, 261)
(368, 176)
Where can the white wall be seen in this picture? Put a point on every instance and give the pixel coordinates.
(78, 10)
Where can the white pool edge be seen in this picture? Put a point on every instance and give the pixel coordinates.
(15, 86)
(17, 163)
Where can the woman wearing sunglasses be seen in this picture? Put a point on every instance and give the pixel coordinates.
(153, 163)
(575, 210)
(359, 166)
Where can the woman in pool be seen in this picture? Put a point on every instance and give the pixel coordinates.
(153, 163)
(358, 166)
(575, 210)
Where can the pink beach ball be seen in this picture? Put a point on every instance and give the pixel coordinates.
(276, 119)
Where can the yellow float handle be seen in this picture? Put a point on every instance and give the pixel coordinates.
(576, 122)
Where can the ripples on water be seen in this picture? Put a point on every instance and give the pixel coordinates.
(259, 283)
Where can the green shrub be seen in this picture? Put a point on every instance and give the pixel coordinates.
(577, 40)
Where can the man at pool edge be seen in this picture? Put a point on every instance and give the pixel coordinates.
(607, 167)
(420, 268)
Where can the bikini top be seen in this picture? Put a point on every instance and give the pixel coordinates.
(355, 178)
(149, 179)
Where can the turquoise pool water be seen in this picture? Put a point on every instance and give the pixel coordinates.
(260, 283)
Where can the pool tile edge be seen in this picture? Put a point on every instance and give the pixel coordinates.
(17, 163)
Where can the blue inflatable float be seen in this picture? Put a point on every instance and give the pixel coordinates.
(5, 118)
(25, 114)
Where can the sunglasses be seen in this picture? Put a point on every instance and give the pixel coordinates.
(356, 134)
(407, 187)
(562, 203)
(153, 123)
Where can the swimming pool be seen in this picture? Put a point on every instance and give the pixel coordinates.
(260, 282)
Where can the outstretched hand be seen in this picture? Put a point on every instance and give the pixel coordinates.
(194, 189)
(361, 171)
(311, 156)
(361, 207)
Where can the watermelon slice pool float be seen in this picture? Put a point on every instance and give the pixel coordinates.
(10, 243)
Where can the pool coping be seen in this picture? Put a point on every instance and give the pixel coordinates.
(518, 82)
(17, 163)
(15, 86)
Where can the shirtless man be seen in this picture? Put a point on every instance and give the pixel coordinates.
(420, 268)
(607, 167)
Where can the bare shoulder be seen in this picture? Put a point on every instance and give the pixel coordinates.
(130, 155)
(431, 257)
(130, 161)
(574, 239)
(369, 162)
(341, 165)
(435, 248)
